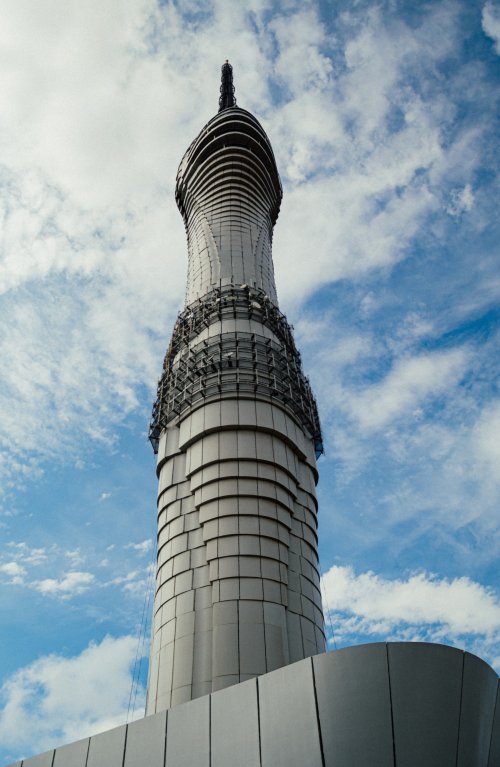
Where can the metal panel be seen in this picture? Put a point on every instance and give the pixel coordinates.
(72, 755)
(235, 726)
(425, 684)
(479, 692)
(288, 723)
(42, 760)
(188, 737)
(252, 648)
(494, 755)
(225, 650)
(146, 742)
(107, 748)
(354, 706)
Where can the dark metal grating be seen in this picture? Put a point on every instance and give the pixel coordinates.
(241, 363)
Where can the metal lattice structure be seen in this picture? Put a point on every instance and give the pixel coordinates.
(238, 362)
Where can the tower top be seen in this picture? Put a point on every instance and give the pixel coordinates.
(226, 98)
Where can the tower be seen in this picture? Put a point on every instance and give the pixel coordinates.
(237, 434)
(237, 599)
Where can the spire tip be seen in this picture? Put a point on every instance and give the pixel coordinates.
(226, 98)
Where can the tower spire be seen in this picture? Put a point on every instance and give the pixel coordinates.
(226, 98)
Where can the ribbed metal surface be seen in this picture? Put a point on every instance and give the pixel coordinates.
(237, 433)
(229, 193)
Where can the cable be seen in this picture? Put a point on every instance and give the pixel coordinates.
(141, 639)
(328, 610)
(145, 631)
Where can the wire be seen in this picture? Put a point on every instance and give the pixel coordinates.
(328, 609)
(145, 632)
(141, 639)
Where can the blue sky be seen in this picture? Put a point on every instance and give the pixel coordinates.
(384, 121)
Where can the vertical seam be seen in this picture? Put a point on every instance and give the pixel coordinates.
(318, 722)
(258, 719)
(210, 730)
(390, 705)
(87, 754)
(125, 745)
(460, 707)
(165, 739)
(238, 604)
(492, 727)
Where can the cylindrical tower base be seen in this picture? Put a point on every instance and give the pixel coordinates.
(238, 577)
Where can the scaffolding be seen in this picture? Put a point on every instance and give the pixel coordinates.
(246, 364)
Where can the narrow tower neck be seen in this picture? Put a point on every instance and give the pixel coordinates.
(226, 98)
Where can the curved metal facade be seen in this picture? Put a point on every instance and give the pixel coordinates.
(229, 192)
(395, 705)
(237, 433)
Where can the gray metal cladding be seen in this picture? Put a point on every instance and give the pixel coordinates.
(428, 685)
(234, 720)
(188, 735)
(356, 707)
(238, 574)
(229, 193)
(72, 755)
(237, 433)
(146, 742)
(494, 750)
(479, 692)
(41, 760)
(288, 720)
(107, 748)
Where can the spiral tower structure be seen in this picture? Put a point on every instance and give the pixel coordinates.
(237, 434)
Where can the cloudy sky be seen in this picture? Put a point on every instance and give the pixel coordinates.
(383, 118)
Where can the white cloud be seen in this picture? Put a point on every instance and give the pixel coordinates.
(368, 145)
(455, 472)
(460, 605)
(406, 387)
(128, 578)
(23, 553)
(142, 547)
(40, 709)
(70, 585)
(36, 556)
(420, 606)
(491, 23)
(139, 582)
(300, 63)
(75, 556)
(414, 449)
(14, 571)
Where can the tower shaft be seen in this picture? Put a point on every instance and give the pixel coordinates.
(237, 434)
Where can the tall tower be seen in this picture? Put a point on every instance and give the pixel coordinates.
(237, 593)
(237, 434)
